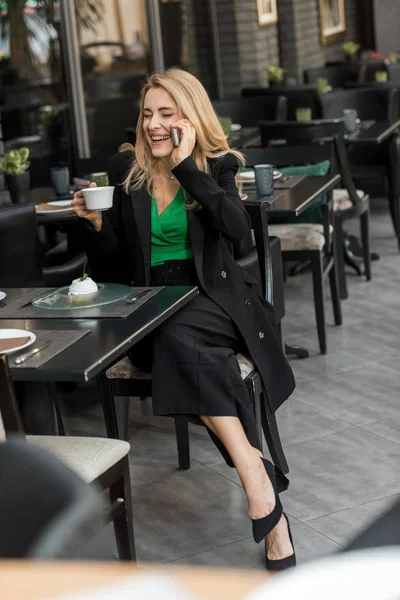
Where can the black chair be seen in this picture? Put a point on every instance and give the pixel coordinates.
(337, 76)
(97, 460)
(378, 162)
(249, 111)
(298, 96)
(383, 531)
(310, 241)
(46, 510)
(124, 380)
(349, 203)
(371, 102)
(20, 264)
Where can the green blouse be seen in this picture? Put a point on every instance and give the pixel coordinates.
(169, 231)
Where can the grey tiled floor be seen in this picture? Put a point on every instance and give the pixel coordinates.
(340, 429)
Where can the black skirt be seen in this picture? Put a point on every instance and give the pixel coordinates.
(195, 372)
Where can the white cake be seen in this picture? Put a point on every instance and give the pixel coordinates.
(83, 287)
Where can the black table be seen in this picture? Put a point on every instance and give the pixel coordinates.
(291, 202)
(107, 341)
(377, 133)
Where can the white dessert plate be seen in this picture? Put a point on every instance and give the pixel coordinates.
(6, 334)
(57, 204)
(2, 295)
(249, 175)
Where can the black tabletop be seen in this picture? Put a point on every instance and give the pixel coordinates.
(292, 202)
(377, 133)
(107, 341)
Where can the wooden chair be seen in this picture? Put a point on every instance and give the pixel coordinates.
(124, 380)
(310, 242)
(99, 460)
(348, 203)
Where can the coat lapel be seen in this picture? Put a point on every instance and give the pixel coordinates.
(141, 204)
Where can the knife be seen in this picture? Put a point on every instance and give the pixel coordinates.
(24, 357)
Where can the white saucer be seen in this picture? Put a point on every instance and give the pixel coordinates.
(56, 203)
(2, 295)
(16, 333)
(249, 175)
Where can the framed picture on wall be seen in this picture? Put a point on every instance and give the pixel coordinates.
(333, 22)
(267, 12)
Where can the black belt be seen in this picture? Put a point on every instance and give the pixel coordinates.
(174, 272)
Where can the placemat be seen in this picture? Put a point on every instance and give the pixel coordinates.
(288, 181)
(59, 340)
(117, 310)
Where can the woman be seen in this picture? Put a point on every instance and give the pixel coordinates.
(175, 215)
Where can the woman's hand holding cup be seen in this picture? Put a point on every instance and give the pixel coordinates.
(79, 206)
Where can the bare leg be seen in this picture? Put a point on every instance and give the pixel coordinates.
(256, 483)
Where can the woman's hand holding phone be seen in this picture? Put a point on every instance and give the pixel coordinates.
(187, 141)
(79, 206)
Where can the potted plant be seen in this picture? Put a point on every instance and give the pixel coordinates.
(276, 75)
(15, 165)
(350, 50)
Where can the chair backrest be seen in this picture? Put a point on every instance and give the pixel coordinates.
(337, 76)
(394, 73)
(377, 102)
(249, 111)
(19, 250)
(369, 69)
(383, 531)
(46, 510)
(328, 131)
(298, 96)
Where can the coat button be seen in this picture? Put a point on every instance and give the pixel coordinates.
(223, 274)
(261, 335)
(247, 302)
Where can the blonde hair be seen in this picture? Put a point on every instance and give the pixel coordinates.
(195, 105)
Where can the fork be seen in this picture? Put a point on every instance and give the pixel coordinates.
(135, 298)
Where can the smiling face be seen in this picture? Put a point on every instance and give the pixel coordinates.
(160, 111)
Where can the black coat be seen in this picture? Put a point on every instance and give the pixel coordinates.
(123, 250)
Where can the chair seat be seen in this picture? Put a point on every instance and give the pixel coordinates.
(299, 236)
(124, 369)
(89, 457)
(341, 200)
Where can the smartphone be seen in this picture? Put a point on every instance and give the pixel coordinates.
(176, 137)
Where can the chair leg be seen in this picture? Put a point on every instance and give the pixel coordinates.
(394, 205)
(108, 402)
(316, 267)
(122, 413)
(334, 286)
(182, 442)
(272, 437)
(123, 522)
(364, 229)
(339, 242)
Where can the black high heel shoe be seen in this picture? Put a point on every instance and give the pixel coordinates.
(282, 563)
(262, 527)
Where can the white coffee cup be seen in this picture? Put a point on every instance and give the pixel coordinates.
(98, 198)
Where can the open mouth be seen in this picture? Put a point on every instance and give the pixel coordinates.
(159, 138)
